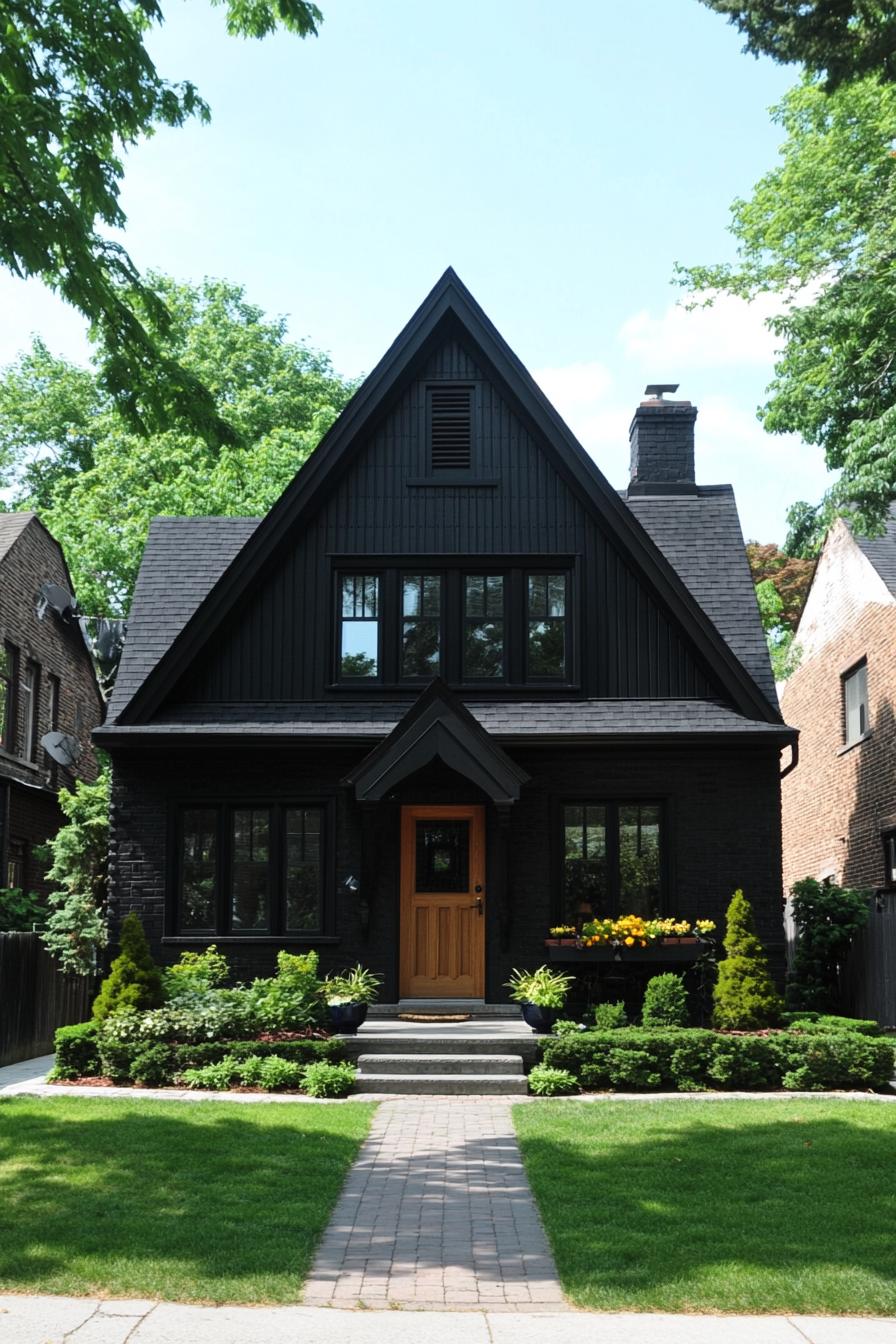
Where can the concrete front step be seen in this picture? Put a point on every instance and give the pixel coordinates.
(370, 1042)
(477, 1008)
(443, 1084)
(441, 1064)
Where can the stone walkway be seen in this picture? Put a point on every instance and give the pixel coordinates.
(437, 1212)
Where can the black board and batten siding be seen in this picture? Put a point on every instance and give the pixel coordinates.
(36, 998)
(392, 503)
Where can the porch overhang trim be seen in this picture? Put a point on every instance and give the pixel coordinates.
(438, 727)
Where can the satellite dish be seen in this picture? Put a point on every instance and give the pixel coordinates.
(55, 598)
(63, 748)
(104, 637)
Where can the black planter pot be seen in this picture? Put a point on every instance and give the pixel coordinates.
(346, 1018)
(541, 1020)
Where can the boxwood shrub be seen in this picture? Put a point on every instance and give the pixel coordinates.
(77, 1054)
(690, 1059)
(82, 1052)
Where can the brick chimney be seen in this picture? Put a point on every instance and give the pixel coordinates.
(662, 444)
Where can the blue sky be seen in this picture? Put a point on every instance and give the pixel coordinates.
(562, 157)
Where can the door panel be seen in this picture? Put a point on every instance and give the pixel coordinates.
(442, 902)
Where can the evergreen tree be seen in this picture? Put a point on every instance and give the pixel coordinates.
(134, 980)
(745, 999)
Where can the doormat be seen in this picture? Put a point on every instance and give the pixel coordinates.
(434, 1017)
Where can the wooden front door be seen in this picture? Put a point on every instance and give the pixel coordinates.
(442, 902)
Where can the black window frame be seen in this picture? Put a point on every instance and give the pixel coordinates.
(418, 572)
(613, 806)
(9, 734)
(851, 673)
(360, 571)
(277, 930)
(453, 571)
(485, 572)
(31, 703)
(546, 573)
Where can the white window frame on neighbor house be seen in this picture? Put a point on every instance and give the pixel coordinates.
(856, 720)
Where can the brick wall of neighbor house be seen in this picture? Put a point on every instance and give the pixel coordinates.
(837, 801)
(723, 825)
(59, 651)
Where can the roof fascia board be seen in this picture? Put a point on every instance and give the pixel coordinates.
(450, 297)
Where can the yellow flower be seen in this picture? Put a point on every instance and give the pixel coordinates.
(629, 942)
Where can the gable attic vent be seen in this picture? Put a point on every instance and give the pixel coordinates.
(450, 427)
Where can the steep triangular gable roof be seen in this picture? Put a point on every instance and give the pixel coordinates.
(438, 726)
(448, 308)
(12, 525)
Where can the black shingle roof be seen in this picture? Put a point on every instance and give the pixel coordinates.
(514, 719)
(700, 536)
(881, 551)
(183, 559)
(12, 525)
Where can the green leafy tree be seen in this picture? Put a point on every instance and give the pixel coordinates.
(72, 455)
(77, 89)
(842, 39)
(827, 919)
(134, 980)
(76, 928)
(20, 911)
(785, 655)
(790, 575)
(819, 230)
(745, 999)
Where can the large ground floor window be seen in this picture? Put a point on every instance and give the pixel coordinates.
(255, 869)
(612, 858)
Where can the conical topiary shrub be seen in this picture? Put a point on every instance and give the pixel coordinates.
(133, 980)
(745, 999)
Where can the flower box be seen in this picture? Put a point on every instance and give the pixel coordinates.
(669, 950)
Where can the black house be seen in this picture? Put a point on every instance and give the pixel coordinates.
(452, 688)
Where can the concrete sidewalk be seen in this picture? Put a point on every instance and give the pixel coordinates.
(69, 1320)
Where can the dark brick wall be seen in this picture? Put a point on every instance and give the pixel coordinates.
(58, 650)
(662, 442)
(724, 831)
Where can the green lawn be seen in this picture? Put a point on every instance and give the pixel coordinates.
(720, 1205)
(203, 1201)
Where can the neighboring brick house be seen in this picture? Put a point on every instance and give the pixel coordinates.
(451, 689)
(839, 805)
(47, 682)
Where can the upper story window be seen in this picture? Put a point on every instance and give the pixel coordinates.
(359, 627)
(450, 427)
(612, 859)
(8, 662)
(483, 633)
(855, 704)
(546, 631)
(421, 625)
(470, 625)
(31, 707)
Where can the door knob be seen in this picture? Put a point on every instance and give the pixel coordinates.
(477, 904)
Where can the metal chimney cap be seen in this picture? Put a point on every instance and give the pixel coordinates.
(657, 389)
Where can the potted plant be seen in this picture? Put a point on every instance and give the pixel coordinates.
(541, 995)
(348, 995)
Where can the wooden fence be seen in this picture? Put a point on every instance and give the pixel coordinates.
(869, 980)
(36, 998)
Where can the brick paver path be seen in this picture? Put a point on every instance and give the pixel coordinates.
(437, 1212)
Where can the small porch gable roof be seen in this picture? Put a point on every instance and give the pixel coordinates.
(438, 726)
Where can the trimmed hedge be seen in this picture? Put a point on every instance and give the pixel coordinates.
(82, 1053)
(77, 1051)
(692, 1059)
